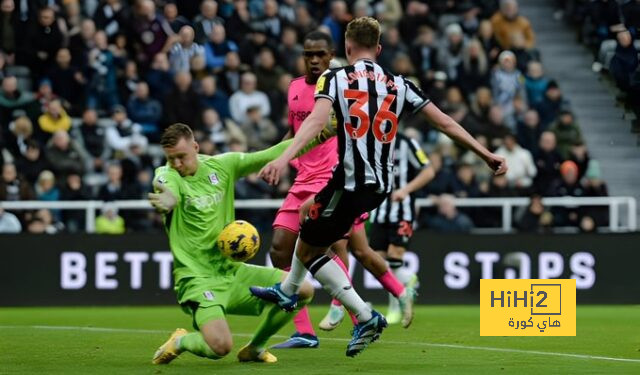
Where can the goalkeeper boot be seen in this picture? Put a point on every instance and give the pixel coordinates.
(169, 350)
(334, 317)
(250, 353)
(275, 295)
(365, 333)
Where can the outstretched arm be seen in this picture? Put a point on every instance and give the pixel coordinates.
(448, 126)
(310, 128)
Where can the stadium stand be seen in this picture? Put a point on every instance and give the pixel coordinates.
(87, 90)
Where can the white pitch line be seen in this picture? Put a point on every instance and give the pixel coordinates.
(429, 344)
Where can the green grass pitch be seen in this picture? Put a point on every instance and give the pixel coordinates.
(442, 340)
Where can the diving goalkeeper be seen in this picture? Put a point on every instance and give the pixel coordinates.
(196, 195)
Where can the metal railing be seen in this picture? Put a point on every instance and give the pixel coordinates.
(616, 207)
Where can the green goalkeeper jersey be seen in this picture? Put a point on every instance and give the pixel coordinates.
(205, 204)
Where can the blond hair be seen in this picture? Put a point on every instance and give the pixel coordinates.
(174, 133)
(364, 31)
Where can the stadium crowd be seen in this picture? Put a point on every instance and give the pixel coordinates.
(88, 86)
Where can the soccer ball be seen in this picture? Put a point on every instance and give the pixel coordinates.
(239, 241)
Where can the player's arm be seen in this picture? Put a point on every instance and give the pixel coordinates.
(166, 190)
(455, 131)
(418, 160)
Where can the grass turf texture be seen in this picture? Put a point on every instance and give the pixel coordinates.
(442, 339)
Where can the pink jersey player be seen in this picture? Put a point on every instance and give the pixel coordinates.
(314, 168)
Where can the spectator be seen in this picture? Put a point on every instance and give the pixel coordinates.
(289, 50)
(523, 55)
(109, 222)
(495, 130)
(548, 162)
(12, 186)
(71, 20)
(102, 87)
(569, 185)
(220, 131)
(567, 133)
(145, 111)
(231, 74)
(535, 83)
(450, 53)
(9, 223)
(45, 94)
(424, 54)
(261, 132)
(625, 60)
(248, 97)
(551, 105)
(480, 171)
(594, 186)
(73, 190)
(154, 35)
(184, 50)
(175, 20)
(278, 103)
(254, 42)
(42, 43)
(91, 137)
(271, 21)
(535, 217)
(66, 80)
(481, 104)
(122, 131)
(508, 22)
(507, 85)
(268, 71)
(304, 22)
(32, 162)
(43, 222)
(211, 97)
(159, 77)
(14, 103)
(206, 21)
(65, 156)
(182, 104)
(20, 132)
(465, 185)
(474, 70)
(80, 44)
(417, 14)
(115, 189)
(217, 48)
(337, 21)
(45, 188)
(8, 28)
(449, 219)
(522, 169)
(392, 45)
(443, 180)
(55, 118)
(528, 131)
(238, 23)
(488, 41)
(112, 17)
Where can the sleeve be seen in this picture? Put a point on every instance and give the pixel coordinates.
(414, 97)
(326, 86)
(168, 177)
(240, 164)
(417, 157)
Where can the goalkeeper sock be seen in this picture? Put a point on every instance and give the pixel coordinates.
(276, 318)
(295, 278)
(337, 284)
(194, 343)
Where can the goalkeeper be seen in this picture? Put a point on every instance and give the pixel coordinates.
(196, 194)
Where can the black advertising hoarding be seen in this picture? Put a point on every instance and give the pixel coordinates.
(136, 269)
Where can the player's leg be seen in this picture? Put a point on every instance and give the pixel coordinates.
(399, 238)
(243, 303)
(213, 340)
(285, 234)
(335, 315)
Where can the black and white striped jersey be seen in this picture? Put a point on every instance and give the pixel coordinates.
(410, 159)
(367, 101)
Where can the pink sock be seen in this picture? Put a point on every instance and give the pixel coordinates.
(302, 321)
(337, 259)
(335, 302)
(391, 283)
